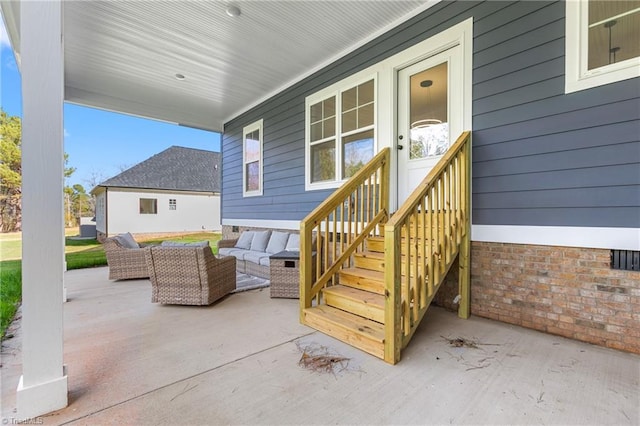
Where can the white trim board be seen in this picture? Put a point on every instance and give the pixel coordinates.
(269, 224)
(577, 75)
(566, 236)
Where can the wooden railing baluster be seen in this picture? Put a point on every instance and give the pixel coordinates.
(342, 216)
(434, 222)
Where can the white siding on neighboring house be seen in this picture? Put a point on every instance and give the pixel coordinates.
(101, 205)
(193, 212)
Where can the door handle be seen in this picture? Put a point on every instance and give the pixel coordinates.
(400, 138)
(400, 147)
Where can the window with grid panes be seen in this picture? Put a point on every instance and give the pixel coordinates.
(341, 136)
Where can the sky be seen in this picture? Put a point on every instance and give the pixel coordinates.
(100, 144)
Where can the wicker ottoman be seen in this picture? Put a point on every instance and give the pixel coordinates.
(285, 274)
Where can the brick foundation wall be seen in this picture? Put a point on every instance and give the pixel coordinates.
(566, 291)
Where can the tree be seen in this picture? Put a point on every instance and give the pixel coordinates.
(77, 204)
(11, 172)
(94, 179)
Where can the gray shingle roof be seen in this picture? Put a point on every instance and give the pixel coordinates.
(175, 168)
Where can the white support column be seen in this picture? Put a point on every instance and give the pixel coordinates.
(43, 385)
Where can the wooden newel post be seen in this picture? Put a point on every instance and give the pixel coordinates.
(306, 278)
(392, 325)
(464, 260)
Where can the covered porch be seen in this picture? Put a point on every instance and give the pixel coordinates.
(237, 362)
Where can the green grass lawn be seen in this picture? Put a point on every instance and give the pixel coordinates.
(10, 246)
(79, 254)
(10, 292)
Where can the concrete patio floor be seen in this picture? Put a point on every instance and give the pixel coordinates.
(237, 362)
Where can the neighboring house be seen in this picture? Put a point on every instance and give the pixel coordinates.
(177, 190)
(306, 92)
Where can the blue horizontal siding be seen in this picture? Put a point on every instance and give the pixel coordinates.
(540, 156)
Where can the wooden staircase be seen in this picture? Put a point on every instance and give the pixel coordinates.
(375, 275)
(354, 309)
(355, 305)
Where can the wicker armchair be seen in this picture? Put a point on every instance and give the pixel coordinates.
(189, 275)
(124, 262)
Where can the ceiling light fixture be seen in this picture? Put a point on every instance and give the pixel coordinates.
(612, 50)
(426, 122)
(180, 76)
(233, 11)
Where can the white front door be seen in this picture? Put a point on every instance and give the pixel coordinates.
(430, 115)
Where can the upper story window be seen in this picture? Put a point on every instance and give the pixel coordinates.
(340, 132)
(172, 204)
(602, 42)
(252, 159)
(148, 206)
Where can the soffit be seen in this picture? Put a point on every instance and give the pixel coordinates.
(123, 55)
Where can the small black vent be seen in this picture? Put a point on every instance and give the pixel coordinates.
(627, 260)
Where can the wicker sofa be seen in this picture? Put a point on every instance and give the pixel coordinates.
(125, 257)
(189, 275)
(253, 249)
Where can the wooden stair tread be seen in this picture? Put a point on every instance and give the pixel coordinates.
(377, 276)
(355, 294)
(367, 254)
(360, 302)
(371, 254)
(369, 260)
(363, 279)
(376, 244)
(367, 274)
(356, 331)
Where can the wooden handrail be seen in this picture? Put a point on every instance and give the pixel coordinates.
(340, 224)
(348, 187)
(430, 229)
(428, 182)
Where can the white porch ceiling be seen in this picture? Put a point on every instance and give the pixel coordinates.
(123, 55)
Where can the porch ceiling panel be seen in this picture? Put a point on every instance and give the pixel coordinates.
(124, 55)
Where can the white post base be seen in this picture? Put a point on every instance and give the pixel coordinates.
(43, 398)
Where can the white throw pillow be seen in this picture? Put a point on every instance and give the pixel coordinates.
(260, 240)
(294, 243)
(244, 242)
(277, 242)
